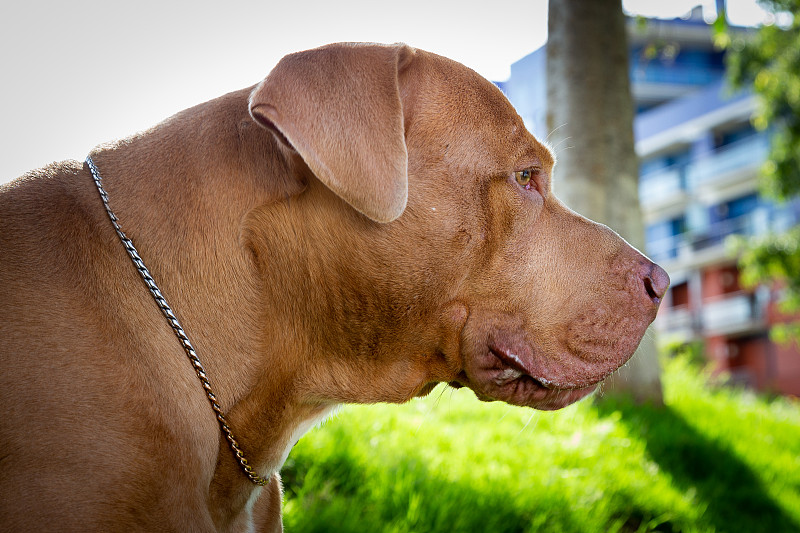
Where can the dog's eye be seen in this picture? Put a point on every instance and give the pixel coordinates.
(523, 177)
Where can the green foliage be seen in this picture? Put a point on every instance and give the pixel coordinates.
(770, 63)
(714, 459)
(774, 257)
(694, 351)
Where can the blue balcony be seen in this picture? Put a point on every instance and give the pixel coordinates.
(662, 186)
(665, 238)
(756, 222)
(725, 165)
(692, 75)
(682, 239)
(672, 116)
(665, 249)
(743, 157)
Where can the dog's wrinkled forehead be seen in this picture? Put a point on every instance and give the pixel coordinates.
(469, 119)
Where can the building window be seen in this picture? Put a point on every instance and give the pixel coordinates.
(733, 135)
(680, 295)
(664, 238)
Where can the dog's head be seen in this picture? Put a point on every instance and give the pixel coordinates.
(427, 245)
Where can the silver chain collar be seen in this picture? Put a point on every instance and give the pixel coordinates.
(176, 327)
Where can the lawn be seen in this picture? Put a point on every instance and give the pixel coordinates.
(713, 459)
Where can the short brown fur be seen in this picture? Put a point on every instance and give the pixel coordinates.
(348, 235)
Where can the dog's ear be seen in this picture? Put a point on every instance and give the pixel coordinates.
(339, 107)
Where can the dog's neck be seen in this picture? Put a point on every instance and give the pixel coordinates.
(239, 255)
(184, 211)
(186, 236)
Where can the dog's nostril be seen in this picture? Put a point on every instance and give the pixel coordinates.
(648, 286)
(656, 283)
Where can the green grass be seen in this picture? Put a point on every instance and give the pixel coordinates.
(714, 459)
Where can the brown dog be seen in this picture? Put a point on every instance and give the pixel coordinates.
(365, 223)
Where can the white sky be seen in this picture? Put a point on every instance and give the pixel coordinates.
(80, 72)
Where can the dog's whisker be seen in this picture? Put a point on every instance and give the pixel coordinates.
(433, 405)
(505, 414)
(533, 414)
(553, 131)
(560, 142)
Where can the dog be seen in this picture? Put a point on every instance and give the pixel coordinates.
(365, 223)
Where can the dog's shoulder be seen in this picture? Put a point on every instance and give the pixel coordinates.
(48, 222)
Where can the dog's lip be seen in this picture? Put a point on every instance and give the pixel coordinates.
(504, 364)
(516, 368)
(517, 361)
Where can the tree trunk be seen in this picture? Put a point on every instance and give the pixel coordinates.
(590, 116)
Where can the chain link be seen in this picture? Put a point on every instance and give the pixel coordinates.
(176, 327)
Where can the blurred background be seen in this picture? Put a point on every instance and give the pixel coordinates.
(709, 439)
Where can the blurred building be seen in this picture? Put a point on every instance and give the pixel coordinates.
(699, 161)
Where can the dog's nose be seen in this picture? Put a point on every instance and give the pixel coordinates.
(656, 282)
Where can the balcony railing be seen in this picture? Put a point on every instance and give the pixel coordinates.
(757, 222)
(744, 155)
(662, 185)
(677, 319)
(652, 72)
(733, 313)
(727, 314)
(666, 184)
(666, 249)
